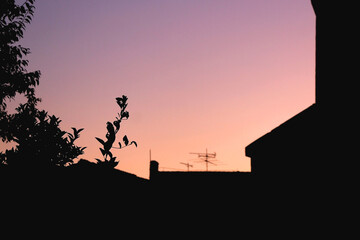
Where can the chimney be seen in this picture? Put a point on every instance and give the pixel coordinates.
(335, 54)
(154, 169)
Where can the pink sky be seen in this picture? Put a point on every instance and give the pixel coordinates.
(199, 74)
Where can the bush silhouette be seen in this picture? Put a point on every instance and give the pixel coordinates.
(41, 143)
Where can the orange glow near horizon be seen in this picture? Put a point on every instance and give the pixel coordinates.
(198, 74)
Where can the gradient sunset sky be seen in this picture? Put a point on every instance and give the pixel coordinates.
(215, 74)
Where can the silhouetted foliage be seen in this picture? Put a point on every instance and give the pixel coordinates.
(40, 141)
(113, 128)
(14, 77)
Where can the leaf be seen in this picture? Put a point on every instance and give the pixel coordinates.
(125, 98)
(120, 144)
(102, 151)
(83, 148)
(125, 115)
(27, 5)
(133, 142)
(120, 102)
(117, 124)
(98, 160)
(76, 132)
(70, 136)
(126, 140)
(112, 159)
(100, 140)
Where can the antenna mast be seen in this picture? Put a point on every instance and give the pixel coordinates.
(205, 157)
(188, 165)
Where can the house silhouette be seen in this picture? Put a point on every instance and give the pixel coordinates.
(318, 142)
(206, 180)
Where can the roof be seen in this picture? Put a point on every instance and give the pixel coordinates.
(300, 123)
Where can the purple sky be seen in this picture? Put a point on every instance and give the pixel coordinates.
(214, 74)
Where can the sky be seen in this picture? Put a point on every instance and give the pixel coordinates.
(199, 74)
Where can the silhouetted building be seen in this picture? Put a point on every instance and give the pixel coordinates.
(315, 142)
(197, 179)
(289, 148)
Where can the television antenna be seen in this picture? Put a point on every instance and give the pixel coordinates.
(188, 165)
(204, 157)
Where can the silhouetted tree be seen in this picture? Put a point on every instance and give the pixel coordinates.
(14, 78)
(40, 141)
(113, 128)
